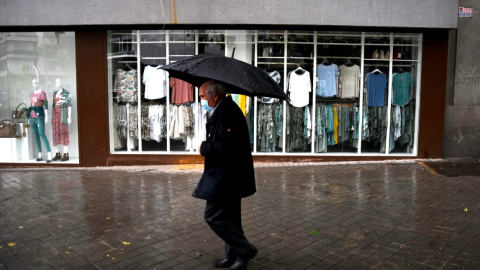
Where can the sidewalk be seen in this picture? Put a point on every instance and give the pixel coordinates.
(357, 215)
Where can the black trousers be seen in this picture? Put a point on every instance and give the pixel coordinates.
(225, 219)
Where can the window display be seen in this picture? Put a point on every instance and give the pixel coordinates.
(36, 69)
(350, 92)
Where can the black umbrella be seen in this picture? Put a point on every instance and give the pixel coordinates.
(238, 77)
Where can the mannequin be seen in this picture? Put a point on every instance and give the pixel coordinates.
(61, 118)
(38, 117)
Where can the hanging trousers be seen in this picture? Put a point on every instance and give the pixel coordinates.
(224, 218)
(38, 129)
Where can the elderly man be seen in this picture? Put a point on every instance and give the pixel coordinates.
(228, 174)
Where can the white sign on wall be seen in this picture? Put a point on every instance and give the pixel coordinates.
(464, 12)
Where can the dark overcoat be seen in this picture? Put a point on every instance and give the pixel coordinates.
(228, 171)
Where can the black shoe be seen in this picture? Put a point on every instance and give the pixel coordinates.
(223, 263)
(49, 160)
(39, 159)
(242, 263)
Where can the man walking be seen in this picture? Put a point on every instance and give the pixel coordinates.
(228, 174)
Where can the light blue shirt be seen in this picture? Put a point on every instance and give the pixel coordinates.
(327, 80)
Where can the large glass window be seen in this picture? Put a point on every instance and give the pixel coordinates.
(351, 93)
(38, 97)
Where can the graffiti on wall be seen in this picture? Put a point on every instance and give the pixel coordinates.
(469, 78)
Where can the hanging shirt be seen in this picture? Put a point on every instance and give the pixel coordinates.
(182, 92)
(277, 78)
(299, 86)
(241, 101)
(402, 83)
(155, 80)
(350, 81)
(125, 87)
(327, 80)
(376, 85)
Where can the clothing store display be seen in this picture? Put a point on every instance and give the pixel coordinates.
(182, 92)
(295, 129)
(299, 87)
(275, 75)
(347, 92)
(403, 125)
(154, 122)
(38, 130)
(38, 104)
(36, 113)
(61, 103)
(376, 87)
(133, 122)
(381, 54)
(269, 126)
(241, 101)
(377, 125)
(181, 122)
(335, 124)
(199, 134)
(65, 157)
(239, 77)
(120, 112)
(349, 81)
(402, 83)
(327, 80)
(321, 119)
(57, 156)
(125, 86)
(156, 82)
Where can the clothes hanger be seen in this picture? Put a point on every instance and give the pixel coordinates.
(299, 70)
(325, 62)
(339, 40)
(376, 71)
(378, 40)
(268, 68)
(127, 67)
(348, 63)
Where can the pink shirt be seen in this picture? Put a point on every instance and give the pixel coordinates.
(182, 92)
(36, 100)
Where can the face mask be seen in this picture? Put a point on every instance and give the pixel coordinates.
(205, 105)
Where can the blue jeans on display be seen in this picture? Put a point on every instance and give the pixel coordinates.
(38, 128)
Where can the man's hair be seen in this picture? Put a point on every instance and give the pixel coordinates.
(215, 87)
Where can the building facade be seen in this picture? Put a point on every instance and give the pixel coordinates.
(375, 78)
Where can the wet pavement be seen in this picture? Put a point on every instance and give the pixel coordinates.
(383, 215)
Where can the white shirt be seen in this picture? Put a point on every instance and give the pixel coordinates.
(156, 82)
(350, 81)
(300, 87)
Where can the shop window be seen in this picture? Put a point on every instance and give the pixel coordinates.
(351, 93)
(38, 97)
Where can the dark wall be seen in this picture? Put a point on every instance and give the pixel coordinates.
(434, 84)
(92, 93)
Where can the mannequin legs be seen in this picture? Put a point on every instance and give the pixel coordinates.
(59, 156)
(38, 129)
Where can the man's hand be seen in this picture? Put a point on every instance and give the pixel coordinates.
(198, 149)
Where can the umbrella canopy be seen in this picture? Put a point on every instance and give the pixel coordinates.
(238, 77)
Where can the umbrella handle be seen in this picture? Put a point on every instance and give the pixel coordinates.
(233, 52)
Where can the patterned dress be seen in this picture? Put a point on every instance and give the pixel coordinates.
(60, 128)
